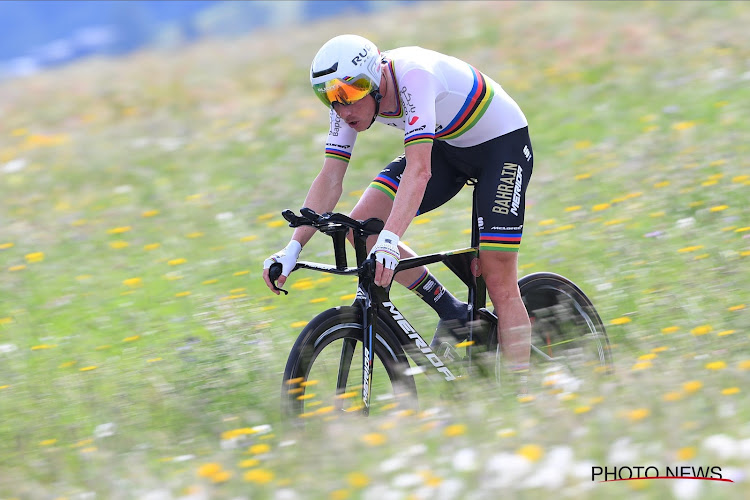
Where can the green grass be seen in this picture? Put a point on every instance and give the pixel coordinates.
(141, 195)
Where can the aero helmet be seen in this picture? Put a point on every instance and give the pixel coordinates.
(345, 70)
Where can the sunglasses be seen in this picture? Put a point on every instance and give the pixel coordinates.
(343, 90)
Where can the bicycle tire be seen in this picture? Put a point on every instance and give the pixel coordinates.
(566, 328)
(313, 348)
(567, 331)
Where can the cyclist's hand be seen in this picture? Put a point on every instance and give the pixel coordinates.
(287, 258)
(386, 256)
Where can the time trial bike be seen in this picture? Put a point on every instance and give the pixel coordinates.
(348, 357)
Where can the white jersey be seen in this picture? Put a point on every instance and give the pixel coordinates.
(439, 98)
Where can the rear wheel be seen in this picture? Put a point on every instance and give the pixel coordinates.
(568, 340)
(323, 375)
(568, 337)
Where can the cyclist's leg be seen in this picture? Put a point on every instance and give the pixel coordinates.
(501, 202)
(376, 203)
(514, 328)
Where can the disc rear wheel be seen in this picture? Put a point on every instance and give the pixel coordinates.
(567, 334)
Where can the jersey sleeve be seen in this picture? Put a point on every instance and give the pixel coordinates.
(419, 92)
(341, 138)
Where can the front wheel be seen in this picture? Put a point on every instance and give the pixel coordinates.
(323, 375)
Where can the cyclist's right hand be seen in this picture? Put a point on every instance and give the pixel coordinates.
(287, 258)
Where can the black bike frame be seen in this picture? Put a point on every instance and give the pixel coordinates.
(375, 303)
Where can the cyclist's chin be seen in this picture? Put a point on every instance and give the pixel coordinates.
(360, 125)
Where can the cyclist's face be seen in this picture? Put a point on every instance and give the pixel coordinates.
(357, 115)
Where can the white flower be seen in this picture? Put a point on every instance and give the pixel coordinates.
(262, 429)
(506, 469)
(583, 472)
(7, 348)
(407, 480)
(393, 463)
(721, 445)
(735, 474)
(465, 460)
(285, 494)
(449, 489)
(381, 492)
(622, 452)
(414, 450)
(686, 489)
(551, 474)
(157, 495)
(685, 223)
(104, 430)
(14, 166)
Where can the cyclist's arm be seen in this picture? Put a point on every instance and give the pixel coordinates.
(323, 195)
(419, 90)
(411, 188)
(326, 189)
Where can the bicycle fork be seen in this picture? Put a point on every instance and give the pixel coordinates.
(369, 316)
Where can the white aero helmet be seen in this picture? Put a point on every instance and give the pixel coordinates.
(345, 70)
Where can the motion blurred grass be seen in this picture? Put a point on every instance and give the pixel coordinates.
(141, 355)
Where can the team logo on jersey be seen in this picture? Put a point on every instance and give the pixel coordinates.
(413, 120)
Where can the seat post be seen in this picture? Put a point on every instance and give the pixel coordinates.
(478, 293)
(474, 217)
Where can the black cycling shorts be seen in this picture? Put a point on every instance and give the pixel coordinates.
(501, 167)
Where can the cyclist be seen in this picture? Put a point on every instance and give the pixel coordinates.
(458, 125)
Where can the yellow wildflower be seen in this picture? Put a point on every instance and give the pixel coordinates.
(374, 439)
(621, 321)
(701, 330)
(209, 469)
(716, 365)
(638, 414)
(259, 476)
(259, 449)
(34, 257)
(454, 430)
(357, 480)
(531, 452)
(692, 385)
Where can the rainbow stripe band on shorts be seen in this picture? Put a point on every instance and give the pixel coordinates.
(385, 184)
(501, 242)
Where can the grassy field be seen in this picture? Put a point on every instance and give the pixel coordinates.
(141, 355)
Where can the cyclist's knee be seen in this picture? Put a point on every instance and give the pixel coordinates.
(499, 270)
(499, 265)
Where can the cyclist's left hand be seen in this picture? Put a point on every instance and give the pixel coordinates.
(386, 256)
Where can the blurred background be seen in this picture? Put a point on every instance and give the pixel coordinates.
(148, 148)
(43, 34)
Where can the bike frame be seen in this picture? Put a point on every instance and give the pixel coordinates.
(375, 303)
